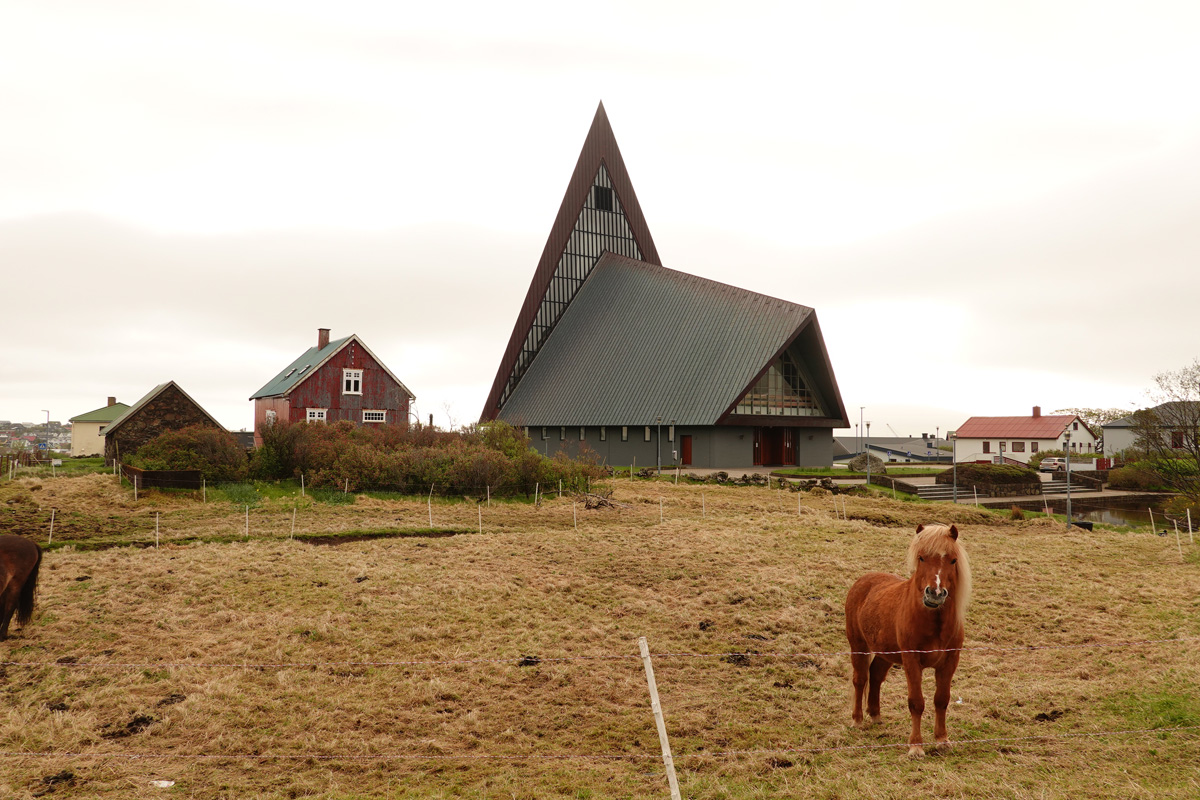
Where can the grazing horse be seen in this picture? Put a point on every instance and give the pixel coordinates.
(19, 562)
(916, 623)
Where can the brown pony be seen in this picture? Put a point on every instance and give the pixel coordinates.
(917, 623)
(19, 562)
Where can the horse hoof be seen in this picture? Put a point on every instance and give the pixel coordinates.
(942, 746)
(916, 751)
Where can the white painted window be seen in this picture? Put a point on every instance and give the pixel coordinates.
(270, 417)
(647, 433)
(352, 381)
(582, 433)
(316, 414)
(562, 432)
(624, 433)
(603, 433)
(374, 416)
(670, 433)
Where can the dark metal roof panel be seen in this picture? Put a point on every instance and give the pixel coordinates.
(642, 341)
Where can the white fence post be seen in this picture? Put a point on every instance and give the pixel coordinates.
(292, 535)
(668, 761)
(51, 539)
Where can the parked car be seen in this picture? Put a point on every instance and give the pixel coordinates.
(1053, 464)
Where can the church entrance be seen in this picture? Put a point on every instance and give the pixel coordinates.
(774, 447)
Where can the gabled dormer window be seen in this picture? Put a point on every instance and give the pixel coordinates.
(352, 381)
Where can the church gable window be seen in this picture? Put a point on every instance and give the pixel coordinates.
(782, 391)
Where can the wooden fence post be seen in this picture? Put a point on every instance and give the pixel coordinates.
(668, 760)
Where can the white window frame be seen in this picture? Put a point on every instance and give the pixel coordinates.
(670, 433)
(647, 433)
(353, 377)
(316, 414)
(562, 433)
(382, 416)
(624, 433)
(271, 416)
(603, 433)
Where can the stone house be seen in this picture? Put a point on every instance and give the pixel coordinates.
(166, 408)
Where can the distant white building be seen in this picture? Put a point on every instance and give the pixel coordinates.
(1018, 439)
(87, 430)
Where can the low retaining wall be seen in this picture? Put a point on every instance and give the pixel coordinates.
(893, 483)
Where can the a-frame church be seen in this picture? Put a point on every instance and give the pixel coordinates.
(649, 365)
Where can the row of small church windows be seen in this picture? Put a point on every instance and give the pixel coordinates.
(562, 433)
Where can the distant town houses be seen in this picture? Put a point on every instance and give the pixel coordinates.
(1019, 439)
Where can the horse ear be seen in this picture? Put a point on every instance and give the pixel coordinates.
(920, 528)
(954, 533)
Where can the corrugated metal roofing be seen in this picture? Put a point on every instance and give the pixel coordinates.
(299, 369)
(1050, 427)
(105, 414)
(642, 341)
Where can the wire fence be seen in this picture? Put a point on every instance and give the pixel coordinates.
(74, 662)
(707, 755)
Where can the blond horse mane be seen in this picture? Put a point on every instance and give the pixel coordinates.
(935, 540)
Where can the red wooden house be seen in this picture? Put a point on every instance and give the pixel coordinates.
(336, 380)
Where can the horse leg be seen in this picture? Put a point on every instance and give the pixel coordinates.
(7, 607)
(941, 697)
(879, 671)
(916, 702)
(860, 662)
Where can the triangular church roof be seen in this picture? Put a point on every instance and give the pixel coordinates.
(583, 230)
(641, 341)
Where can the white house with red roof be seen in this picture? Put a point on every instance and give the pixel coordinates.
(1021, 438)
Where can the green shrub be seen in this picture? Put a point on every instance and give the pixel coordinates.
(1135, 477)
(412, 460)
(211, 450)
(989, 475)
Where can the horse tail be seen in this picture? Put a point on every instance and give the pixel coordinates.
(25, 601)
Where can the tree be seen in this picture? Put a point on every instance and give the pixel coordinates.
(1169, 432)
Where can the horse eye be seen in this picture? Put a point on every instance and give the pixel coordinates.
(920, 558)
(954, 561)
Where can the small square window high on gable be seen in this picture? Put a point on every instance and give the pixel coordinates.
(603, 198)
(352, 381)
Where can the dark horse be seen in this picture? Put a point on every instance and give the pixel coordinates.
(917, 623)
(19, 562)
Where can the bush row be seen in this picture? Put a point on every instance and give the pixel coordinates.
(342, 455)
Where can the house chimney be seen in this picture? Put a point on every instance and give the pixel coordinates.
(112, 401)
(322, 338)
(1037, 411)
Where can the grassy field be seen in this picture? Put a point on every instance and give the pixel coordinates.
(384, 658)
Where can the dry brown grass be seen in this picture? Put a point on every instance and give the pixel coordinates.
(756, 575)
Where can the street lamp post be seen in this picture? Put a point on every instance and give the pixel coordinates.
(1067, 450)
(868, 451)
(954, 462)
(658, 444)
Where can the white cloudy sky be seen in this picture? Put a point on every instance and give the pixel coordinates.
(990, 205)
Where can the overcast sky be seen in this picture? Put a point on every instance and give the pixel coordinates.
(991, 206)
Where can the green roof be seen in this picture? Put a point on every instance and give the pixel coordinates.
(105, 414)
(299, 369)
